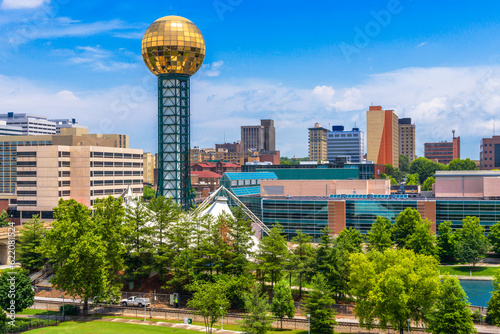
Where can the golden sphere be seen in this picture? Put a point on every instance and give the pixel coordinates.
(173, 44)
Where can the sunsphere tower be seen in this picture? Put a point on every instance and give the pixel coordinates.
(173, 48)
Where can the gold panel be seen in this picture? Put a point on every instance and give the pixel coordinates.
(173, 44)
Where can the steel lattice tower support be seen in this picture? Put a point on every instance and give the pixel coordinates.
(174, 176)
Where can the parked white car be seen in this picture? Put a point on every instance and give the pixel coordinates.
(135, 301)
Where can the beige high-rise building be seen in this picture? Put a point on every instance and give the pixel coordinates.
(382, 136)
(317, 143)
(407, 138)
(83, 173)
(149, 167)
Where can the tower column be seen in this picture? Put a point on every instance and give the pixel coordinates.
(174, 176)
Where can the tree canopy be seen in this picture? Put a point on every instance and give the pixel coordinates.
(23, 296)
(471, 243)
(31, 237)
(380, 235)
(393, 286)
(451, 313)
(425, 168)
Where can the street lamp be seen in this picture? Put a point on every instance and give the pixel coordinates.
(408, 324)
(308, 324)
(63, 307)
(145, 310)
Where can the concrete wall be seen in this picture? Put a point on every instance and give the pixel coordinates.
(325, 188)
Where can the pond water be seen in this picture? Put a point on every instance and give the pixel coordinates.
(479, 292)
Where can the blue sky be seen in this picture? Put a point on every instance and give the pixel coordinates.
(296, 62)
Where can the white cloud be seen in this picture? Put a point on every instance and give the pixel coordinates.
(99, 59)
(212, 70)
(421, 44)
(22, 4)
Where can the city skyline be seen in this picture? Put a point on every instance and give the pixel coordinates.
(434, 63)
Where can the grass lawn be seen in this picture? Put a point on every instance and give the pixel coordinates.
(465, 270)
(102, 327)
(29, 311)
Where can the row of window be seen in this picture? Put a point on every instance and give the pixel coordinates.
(114, 182)
(115, 164)
(111, 192)
(111, 155)
(98, 173)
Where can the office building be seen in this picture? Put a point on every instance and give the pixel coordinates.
(10, 130)
(68, 137)
(443, 152)
(318, 143)
(269, 135)
(31, 124)
(341, 143)
(83, 173)
(407, 138)
(149, 164)
(210, 154)
(259, 137)
(489, 154)
(66, 123)
(230, 147)
(382, 136)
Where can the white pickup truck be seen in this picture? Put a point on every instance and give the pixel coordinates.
(135, 301)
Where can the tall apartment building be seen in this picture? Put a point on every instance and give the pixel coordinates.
(317, 143)
(83, 173)
(341, 143)
(443, 152)
(149, 164)
(407, 138)
(489, 154)
(68, 137)
(259, 137)
(382, 136)
(66, 123)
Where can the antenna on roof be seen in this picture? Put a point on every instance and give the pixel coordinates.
(453, 131)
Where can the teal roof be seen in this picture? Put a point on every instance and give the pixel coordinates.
(251, 176)
(246, 191)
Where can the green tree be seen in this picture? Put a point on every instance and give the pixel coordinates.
(494, 237)
(31, 237)
(164, 212)
(423, 241)
(78, 255)
(404, 163)
(425, 168)
(332, 261)
(148, 193)
(23, 294)
(351, 239)
(393, 286)
(493, 315)
(462, 164)
(257, 320)
(138, 240)
(273, 254)
(427, 186)
(282, 304)
(318, 304)
(472, 245)
(3, 317)
(406, 223)
(412, 179)
(445, 240)
(451, 313)
(109, 217)
(210, 301)
(303, 257)
(3, 219)
(241, 243)
(380, 236)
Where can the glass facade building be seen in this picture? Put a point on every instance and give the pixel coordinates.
(309, 217)
(488, 212)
